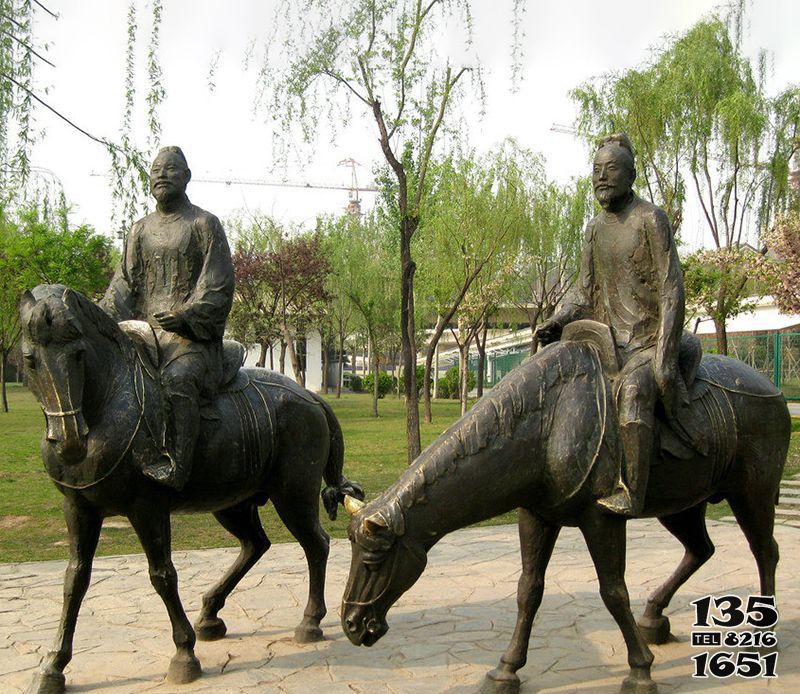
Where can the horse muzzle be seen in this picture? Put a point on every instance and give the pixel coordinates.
(362, 630)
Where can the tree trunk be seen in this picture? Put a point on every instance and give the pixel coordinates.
(262, 356)
(722, 337)
(289, 339)
(325, 364)
(282, 359)
(533, 317)
(481, 344)
(463, 376)
(341, 367)
(3, 379)
(408, 226)
(375, 380)
(433, 345)
(271, 357)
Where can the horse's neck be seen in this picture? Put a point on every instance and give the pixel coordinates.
(442, 493)
(108, 380)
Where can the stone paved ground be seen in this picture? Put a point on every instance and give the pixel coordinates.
(445, 633)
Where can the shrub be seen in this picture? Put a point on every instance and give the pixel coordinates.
(385, 382)
(356, 384)
(448, 384)
(420, 374)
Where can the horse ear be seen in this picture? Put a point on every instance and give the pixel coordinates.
(26, 303)
(375, 524)
(70, 298)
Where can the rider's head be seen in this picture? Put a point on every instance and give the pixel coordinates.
(169, 175)
(614, 170)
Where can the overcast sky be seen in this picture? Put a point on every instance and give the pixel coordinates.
(566, 43)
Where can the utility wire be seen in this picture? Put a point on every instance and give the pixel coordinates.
(25, 45)
(99, 140)
(50, 12)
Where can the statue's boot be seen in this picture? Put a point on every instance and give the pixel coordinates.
(174, 464)
(627, 499)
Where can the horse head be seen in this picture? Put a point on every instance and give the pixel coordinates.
(56, 348)
(385, 564)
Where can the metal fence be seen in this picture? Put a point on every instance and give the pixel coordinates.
(776, 355)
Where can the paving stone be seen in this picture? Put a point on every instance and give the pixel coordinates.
(446, 632)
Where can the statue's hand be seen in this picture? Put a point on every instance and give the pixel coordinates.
(549, 331)
(171, 321)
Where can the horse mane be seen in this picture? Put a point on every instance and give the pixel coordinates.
(83, 315)
(495, 416)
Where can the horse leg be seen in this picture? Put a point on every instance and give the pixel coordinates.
(243, 523)
(298, 508)
(537, 539)
(755, 513)
(689, 527)
(605, 538)
(151, 523)
(83, 525)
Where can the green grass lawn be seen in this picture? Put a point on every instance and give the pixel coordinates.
(31, 522)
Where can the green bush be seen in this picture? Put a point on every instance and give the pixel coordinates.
(448, 384)
(385, 383)
(356, 384)
(420, 374)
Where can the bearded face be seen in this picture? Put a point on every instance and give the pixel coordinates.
(612, 175)
(168, 177)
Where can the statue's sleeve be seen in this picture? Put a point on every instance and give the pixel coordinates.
(669, 277)
(119, 301)
(207, 309)
(578, 302)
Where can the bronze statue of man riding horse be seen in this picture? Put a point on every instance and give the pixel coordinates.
(621, 418)
(124, 405)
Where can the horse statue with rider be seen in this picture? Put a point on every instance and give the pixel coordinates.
(149, 412)
(618, 417)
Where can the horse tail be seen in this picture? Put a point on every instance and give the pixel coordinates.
(338, 484)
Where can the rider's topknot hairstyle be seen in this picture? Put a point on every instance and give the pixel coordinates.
(619, 140)
(172, 149)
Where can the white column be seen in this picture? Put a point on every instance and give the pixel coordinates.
(314, 361)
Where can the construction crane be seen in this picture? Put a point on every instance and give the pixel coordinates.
(565, 129)
(353, 206)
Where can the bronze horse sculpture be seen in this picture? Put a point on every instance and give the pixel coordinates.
(544, 441)
(264, 438)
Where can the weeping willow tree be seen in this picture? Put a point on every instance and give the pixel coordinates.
(704, 129)
(130, 159)
(17, 56)
(380, 60)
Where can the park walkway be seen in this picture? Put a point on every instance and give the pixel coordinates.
(445, 633)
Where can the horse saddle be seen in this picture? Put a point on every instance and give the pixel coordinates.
(146, 342)
(679, 436)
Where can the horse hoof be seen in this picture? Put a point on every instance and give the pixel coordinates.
(638, 682)
(655, 630)
(210, 629)
(183, 669)
(48, 683)
(500, 682)
(307, 633)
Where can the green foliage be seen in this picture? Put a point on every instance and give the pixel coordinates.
(701, 121)
(385, 383)
(699, 118)
(37, 250)
(420, 376)
(356, 383)
(448, 386)
(129, 160)
(17, 132)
